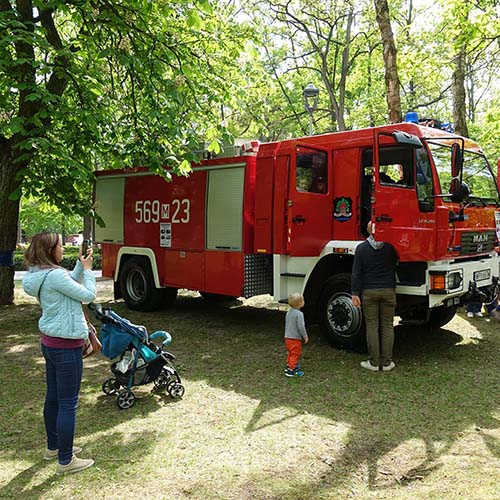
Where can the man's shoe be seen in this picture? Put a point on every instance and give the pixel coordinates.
(298, 373)
(289, 373)
(76, 465)
(470, 315)
(368, 365)
(479, 315)
(50, 454)
(389, 367)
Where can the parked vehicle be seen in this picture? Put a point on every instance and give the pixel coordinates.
(286, 217)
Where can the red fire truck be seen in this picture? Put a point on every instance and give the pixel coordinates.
(286, 217)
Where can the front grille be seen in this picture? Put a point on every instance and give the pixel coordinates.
(472, 243)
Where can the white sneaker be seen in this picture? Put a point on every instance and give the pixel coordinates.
(50, 454)
(368, 365)
(389, 367)
(470, 315)
(479, 315)
(76, 465)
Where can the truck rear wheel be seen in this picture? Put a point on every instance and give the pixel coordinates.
(138, 287)
(341, 322)
(442, 315)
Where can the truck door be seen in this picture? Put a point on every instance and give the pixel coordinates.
(309, 205)
(402, 206)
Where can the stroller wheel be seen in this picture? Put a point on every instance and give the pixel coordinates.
(110, 386)
(162, 381)
(176, 390)
(126, 399)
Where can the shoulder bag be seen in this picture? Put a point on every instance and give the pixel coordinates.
(93, 344)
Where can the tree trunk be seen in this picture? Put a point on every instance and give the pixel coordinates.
(9, 217)
(459, 98)
(87, 228)
(344, 70)
(390, 61)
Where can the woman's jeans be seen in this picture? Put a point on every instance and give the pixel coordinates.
(63, 375)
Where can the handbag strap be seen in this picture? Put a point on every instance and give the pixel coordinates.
(85, 313)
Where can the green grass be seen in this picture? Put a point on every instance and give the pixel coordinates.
(428, 430)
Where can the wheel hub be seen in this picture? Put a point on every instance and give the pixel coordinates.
(136, 285)
(344, 318)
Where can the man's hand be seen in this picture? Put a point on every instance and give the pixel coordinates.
(356, 301)
(306, 339)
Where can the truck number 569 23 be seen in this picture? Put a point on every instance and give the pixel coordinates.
(147, 211)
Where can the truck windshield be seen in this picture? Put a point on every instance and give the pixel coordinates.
(476, 173)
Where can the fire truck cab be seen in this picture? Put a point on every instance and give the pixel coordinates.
(286, 217)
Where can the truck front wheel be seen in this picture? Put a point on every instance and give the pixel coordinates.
(442, 315)
(341, 322)
(138, 287)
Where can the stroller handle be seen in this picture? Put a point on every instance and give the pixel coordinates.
(167, 338)
(96, 309)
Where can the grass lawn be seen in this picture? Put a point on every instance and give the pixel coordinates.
(429, 430)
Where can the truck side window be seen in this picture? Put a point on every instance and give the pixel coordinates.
(425, 185)
(311, 171)
(396, 167)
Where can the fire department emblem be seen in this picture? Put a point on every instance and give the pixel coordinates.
(342, 209)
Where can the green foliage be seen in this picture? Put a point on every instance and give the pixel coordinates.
(36, 216)
(110, 85)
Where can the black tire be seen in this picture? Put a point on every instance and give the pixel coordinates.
(441, 315)
(110, 386)
(138, 287)
(176, 390)
(341, 322)
(125, 399)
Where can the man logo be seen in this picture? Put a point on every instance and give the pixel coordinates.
(480, 238)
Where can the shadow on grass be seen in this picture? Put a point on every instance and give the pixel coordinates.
(441, 387)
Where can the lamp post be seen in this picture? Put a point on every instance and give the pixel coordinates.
(310, 98)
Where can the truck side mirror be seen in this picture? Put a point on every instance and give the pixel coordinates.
(456, 160)
(459, 190)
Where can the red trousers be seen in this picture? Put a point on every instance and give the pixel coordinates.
(294, 348)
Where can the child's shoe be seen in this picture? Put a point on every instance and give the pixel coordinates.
(298, 373)
(288, 372)
(470, 314)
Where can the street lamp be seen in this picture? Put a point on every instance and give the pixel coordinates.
(310, 98)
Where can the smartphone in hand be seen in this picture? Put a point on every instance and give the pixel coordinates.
(85, 247)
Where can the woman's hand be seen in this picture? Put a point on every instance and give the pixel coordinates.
(87, 259)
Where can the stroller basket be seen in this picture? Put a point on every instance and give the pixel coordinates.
(141, 360)
(142, 375)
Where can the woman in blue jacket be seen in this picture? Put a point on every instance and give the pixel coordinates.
(64, 330)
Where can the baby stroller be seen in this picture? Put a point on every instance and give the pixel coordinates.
(141, 360)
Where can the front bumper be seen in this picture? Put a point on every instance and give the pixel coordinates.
(458, 283)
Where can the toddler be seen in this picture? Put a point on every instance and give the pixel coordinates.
(295, 332)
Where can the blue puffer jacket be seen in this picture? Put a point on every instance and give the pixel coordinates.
(60, 299)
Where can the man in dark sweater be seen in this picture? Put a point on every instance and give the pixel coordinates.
(374, 285)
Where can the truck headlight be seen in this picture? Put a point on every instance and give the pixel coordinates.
(443, 282)
(455, 280)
